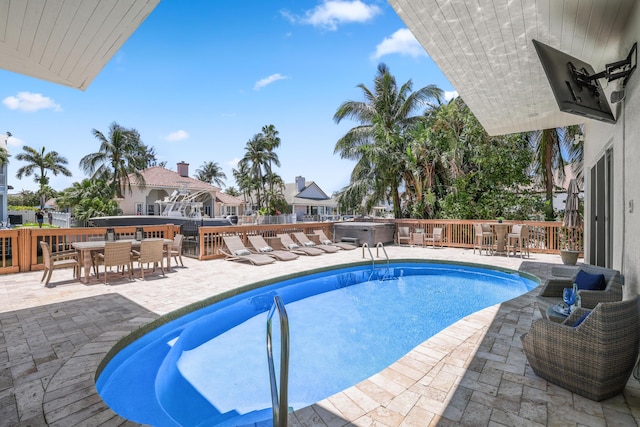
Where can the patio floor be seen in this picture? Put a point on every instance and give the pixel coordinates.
(472, 373)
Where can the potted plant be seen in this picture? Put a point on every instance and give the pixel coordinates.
(571, 232)
(570, 244)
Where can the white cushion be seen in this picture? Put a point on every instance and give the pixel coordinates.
(326, 242)
(242, 252)
(309, 244)
(266, 249)
(293, 246)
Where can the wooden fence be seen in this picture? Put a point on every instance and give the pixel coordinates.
(20, 248)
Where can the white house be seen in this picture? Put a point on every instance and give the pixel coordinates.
(307, 199)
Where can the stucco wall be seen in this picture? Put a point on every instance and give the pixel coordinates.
(624, 138)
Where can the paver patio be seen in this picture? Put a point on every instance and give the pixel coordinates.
(472, 373)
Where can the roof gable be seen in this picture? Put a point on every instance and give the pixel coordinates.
(157, 176)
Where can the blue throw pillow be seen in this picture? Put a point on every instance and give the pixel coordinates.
(584, 316)
(590, 282)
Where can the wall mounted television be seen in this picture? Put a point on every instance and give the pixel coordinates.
(573, 96)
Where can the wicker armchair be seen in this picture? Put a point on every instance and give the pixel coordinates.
(593, 359)
(551, 292)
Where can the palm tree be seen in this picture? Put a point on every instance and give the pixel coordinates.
(272, 141)
(211, 172)
(121, 154)
(244, 181)
(256, 160)
(549, 146)
(377, 144)
(38, 163)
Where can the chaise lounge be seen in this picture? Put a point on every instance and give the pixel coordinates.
(304, 241)
(292, 246)
(261, 246)
(236, 251)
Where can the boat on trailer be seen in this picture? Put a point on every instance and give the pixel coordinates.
(179, 208)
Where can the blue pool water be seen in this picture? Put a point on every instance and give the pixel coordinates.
(209, 367)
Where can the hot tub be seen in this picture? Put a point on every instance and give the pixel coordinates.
(366, 232)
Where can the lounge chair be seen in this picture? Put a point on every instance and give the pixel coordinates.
(308, 243)
(261, 246)
(292, 246)
(238, 252)
(326, 241)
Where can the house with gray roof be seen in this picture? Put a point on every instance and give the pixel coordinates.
(308, 201)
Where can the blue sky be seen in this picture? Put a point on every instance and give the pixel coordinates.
(198, 79)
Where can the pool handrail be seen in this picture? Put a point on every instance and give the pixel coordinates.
(279, 401)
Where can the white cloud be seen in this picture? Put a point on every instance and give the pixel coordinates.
(401, 42)
(332, 13)
(450, 94)
(268, 80)
(178, 135)
(30, 102)
(233, 163)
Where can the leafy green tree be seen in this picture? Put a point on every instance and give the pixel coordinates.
(377, 144)
(38, 164)
(211, 172)
(88, 199)
(24, 198)
(490, 177)
(4, 156)
(120, 155)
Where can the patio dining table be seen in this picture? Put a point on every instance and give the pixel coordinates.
(500, 229)
(85, 248)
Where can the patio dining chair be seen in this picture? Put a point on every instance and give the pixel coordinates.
(483, 238)
(404, 235)
(518, 240)
(435, 236)
(54, 261)
(151, 253)
(175, 250)
(116, 254)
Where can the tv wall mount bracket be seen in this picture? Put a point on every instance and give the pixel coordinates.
(616, 70)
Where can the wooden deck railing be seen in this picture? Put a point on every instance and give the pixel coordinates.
(20, 248)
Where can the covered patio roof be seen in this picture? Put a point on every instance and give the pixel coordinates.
(484, 48)
(66, 41)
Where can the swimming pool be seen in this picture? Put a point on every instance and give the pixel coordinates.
(209, 366)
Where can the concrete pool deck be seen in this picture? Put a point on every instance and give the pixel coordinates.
(472, 373)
